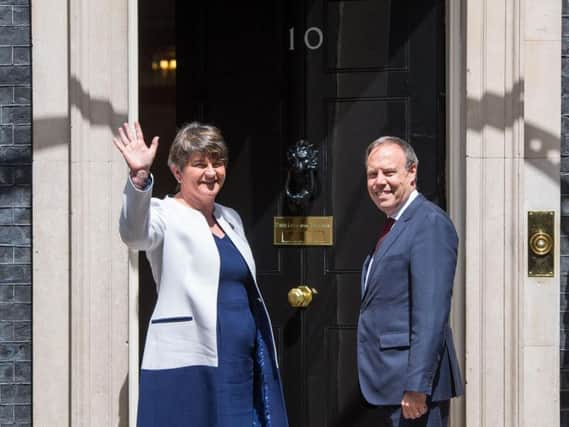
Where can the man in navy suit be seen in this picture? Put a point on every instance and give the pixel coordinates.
(407, 364)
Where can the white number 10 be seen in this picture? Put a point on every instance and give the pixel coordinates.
(307, 42)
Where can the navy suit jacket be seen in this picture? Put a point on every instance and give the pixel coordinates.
(404, 339)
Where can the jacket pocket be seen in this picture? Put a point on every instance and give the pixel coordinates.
(394, 340)
(172, 319)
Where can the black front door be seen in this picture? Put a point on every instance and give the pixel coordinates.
(338, 74)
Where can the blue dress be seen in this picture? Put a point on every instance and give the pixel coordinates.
(181, 397)
(236, 332)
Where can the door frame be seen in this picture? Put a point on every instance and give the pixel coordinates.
(133, 271)
(455, 184)
(455, 47)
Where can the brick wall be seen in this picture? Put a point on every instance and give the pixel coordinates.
(565, 220)
(15, 214)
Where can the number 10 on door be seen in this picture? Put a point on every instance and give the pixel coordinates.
(313, 38)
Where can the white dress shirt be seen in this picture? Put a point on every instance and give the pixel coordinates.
(396, 217)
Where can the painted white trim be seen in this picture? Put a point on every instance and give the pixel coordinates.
(133, 282)
(51, 212)
(455, 176)
(98, 99)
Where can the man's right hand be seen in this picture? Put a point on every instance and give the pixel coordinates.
(414, 405)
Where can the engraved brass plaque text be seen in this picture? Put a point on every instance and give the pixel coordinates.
(303, 230)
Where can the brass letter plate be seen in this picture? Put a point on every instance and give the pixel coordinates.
(303, 230)
(541, 243)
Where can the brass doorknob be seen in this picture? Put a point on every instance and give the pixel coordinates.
(301, 296)
(541, 243)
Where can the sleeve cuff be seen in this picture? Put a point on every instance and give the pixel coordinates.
(147, 185)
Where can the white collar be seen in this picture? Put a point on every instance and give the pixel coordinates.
(410, 199)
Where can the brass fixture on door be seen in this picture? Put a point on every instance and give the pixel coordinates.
(541, 243)
(301, 296)
(541, 225)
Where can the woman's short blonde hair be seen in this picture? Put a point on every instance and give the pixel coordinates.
(200, 138)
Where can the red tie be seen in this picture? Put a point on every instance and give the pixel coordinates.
(386, 227)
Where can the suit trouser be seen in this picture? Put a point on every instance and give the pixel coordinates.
(391, 416)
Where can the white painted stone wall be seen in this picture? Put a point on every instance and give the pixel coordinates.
(80, 83)
(512, 156)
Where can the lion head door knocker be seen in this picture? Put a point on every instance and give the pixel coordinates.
(300, 181)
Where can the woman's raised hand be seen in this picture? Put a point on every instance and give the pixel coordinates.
(136, 153)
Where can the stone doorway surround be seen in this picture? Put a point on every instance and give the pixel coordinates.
(512, 127)
(80, 266)
(503, 104)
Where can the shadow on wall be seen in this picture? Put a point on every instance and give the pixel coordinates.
(49, 134)
(539, 143)
(99, 112)
(123, 404)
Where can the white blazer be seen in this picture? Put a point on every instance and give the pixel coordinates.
(185, 265)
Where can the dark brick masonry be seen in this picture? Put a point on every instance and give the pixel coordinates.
(15, 214)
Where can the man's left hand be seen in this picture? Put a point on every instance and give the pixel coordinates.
(414, 405)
